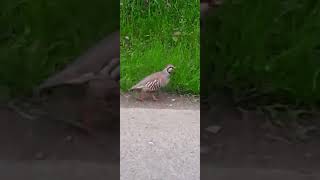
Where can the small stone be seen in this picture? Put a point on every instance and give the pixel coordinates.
(151, 143)
(305, 171)
(217, 146)
(213, 129)
(308, 155)
(204, 149)
(205, 136)
(39, 156)
(69, 138)
(267, 157)
(170, 105)
(173, 100)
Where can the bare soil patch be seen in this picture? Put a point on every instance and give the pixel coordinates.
(244, 140)
(166, 101)
(44, 139)
(247, 140)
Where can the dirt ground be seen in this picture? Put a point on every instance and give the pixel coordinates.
(166, 101)
(246, 140)
(23, 139)
(48, 139)
(241, 142)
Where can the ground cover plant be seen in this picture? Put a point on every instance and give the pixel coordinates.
(155, 33)
(272, 46)
(38, 38)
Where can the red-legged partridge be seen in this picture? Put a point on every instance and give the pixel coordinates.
(154, 82)
(97, 72)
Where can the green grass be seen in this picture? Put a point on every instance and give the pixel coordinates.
(38, 37)
(271, 45)
(160, 33)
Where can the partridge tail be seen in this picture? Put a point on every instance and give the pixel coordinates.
(133, 88)
(136, 87)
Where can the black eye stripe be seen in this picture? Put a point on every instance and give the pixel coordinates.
(170, 68)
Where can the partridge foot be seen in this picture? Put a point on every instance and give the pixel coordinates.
(87, 122)
(140, 99)
(80, 126)
(86, 127)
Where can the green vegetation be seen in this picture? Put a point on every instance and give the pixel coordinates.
(271, 45)
(39, 37)
(157, 33)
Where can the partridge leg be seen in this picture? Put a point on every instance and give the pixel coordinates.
(87, 122)
(87, 118)
(141, 98)
(87, 112)
(154, 97)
